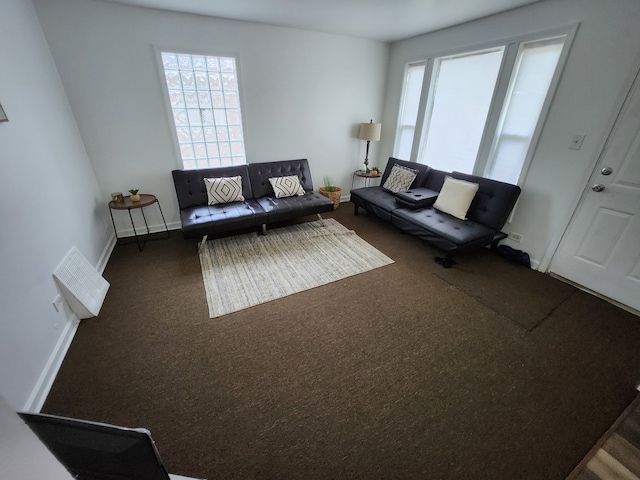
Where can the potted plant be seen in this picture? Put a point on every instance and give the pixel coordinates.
(331, 191)
(134, 195)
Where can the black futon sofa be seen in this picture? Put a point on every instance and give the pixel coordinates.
(260, 206)
(412, 210)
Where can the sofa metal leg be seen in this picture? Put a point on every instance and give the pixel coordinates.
(201, 244)
(321, 220)
(355, 209)
(263, 230)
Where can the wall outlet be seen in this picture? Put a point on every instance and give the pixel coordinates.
(516, 237)
(57, 303)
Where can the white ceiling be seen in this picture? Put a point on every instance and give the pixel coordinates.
(384, 20)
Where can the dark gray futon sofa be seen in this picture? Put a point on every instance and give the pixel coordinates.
(486, 216)
(260, 206)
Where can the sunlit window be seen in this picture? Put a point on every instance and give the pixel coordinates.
(460, 95)
(205, 106)
(482, 110)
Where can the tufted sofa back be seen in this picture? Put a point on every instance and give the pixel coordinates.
(260, 173)
(423, 171)
(493, 201)
(190, 187)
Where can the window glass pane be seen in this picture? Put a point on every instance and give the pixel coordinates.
(408, 111)
(460, 96)
(204, 100)
(535, 65)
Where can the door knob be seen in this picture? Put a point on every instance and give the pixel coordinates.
(598, 187)
(606, 171)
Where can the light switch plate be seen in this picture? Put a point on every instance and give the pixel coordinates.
(576, 141)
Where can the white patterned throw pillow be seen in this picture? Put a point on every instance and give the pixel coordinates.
(455, 197)
(286, 186)
(400, 179)
(224, 190)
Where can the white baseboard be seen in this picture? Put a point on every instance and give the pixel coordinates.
(152, 229)
(106, 254)
(43, 385)
(41, 390)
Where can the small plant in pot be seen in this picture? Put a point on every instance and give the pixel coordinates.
(134, 195)
(331, 191)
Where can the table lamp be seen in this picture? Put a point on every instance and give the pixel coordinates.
(369, 132)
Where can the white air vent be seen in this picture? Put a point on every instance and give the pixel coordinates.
(82, 286)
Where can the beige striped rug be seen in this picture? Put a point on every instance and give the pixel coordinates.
(246, 270)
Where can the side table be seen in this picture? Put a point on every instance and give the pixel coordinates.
(145, 201)
(367, 177)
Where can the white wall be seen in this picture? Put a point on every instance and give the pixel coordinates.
(50, 202)
(605, 54)
(22, 455)
(303, 93)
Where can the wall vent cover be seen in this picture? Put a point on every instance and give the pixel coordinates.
(82, 286)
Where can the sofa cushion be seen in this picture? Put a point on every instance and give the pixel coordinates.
(221, 218)
(375, 200)
(288, 208)
(260, 174)
(224, 190)
(494, 201)
(286, 186)
(455, 197)
(190, 187)
(454, 230)
(400, 179)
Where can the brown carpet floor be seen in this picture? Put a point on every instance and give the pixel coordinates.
(407, 371)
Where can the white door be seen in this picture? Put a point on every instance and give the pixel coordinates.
(601, 247)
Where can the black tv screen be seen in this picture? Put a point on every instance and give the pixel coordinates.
(97, 451)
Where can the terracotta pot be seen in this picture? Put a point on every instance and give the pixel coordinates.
(334, 196)
(135, 198)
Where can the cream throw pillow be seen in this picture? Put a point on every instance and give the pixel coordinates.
(286, 186)
(455, 197)
(224, 190)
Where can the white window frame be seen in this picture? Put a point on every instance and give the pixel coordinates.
(169, 111)
(506, 72)
(400, 127)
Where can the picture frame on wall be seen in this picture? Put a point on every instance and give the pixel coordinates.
(3, 116)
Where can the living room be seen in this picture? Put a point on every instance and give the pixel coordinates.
(87, 117)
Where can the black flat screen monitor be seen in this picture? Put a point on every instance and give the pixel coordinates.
(97, 451)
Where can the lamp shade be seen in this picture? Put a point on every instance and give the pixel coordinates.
(370, 131)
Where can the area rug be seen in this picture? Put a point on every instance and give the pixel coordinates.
(246, 270)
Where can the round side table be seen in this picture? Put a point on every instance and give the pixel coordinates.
(367, 176)
(145, 201)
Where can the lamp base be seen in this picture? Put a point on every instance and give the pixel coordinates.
(366, 159)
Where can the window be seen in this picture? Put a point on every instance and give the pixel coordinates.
(409, 109)
(459, 99)
(534, 68)
(483, 109)
(205, 106)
